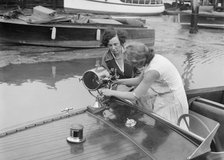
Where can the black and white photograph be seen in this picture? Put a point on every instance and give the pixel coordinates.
(111, 79)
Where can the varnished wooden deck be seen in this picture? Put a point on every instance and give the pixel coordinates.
(106, 139)
(48, 142)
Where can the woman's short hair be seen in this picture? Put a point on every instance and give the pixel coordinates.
(111, 33)
(141, 49)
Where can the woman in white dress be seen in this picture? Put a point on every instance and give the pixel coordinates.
(159, 87)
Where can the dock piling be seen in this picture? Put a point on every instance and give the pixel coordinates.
(194, 16)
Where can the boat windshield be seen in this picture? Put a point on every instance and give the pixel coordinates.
(143, 1)
(156, 138)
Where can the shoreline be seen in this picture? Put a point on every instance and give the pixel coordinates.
(15, 57)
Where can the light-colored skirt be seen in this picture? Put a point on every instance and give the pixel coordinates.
(166, 105)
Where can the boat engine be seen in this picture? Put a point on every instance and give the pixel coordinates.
(97, 78)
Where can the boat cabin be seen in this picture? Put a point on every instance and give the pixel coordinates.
(59, 3)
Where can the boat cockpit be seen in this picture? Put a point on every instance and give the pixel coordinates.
(204, 133)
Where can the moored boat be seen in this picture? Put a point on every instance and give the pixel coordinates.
(77, 31)
(211, 15)
(113, 7)
(117, 7)
(205, 19)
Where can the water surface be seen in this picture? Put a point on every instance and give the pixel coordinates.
(36, 82)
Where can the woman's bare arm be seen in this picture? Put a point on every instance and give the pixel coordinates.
(140, 90)
(130, 81)
(149, 78)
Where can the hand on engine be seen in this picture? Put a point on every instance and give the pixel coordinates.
(106, 92)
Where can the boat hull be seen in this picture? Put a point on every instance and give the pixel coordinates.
(113, 7)
(66, 35)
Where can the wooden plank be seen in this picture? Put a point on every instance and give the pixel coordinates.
(48, 142)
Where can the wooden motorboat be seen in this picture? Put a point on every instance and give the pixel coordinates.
(75, 31)
(118, 129)
(117, 7)
(103, 138)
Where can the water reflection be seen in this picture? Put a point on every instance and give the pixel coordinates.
(76, 148)
(187, 74)
(48, 73)
(33, 91)
(198, 57)
(202, 70)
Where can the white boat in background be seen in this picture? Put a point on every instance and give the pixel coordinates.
(116, 7)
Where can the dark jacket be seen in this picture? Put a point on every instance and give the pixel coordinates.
(109, 63)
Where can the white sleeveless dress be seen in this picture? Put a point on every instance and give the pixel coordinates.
(166, 97)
